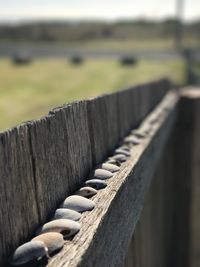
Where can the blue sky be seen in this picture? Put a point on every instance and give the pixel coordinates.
(12, 10)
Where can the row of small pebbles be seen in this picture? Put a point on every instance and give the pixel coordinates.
(64, 223)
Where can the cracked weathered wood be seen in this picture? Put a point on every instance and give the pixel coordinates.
(151, 242)
(168, 231)
(187, 173)
(194, 253)
(106, 231)
(45, 160)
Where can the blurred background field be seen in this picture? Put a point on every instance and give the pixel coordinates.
(36, 51)
(120, 34)
(29, 91)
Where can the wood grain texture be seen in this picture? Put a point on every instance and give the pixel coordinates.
(62, 154)
(195, 201)
(44, 161)
(106, 231)
(19, 207)
(191, 129)
(151, 242)
(167, 233)
(182, 185)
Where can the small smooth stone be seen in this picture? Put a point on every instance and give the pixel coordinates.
(110, 167)
(28, 252)
(122, 151)
(146, 129)
(67, 214)
(166, 108)
(138, 133)
(120, 157)
(153, 120)
(113, 161)
(86, 191)
(132, 139)
(78, 203)
(155, 117)
(162, 113)
(126, 148)
(101, 174)
(96, 183)
(66, 227)
(53, 241)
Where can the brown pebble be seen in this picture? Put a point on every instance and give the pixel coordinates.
(86, 191)
(53, 241)
(66, 227)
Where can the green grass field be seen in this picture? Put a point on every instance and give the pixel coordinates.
(112, 43)
(152, 43)
(28, 92)
(137, 44)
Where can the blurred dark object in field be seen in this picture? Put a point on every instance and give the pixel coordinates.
(21, 58)
(128, 61)
(76, 60)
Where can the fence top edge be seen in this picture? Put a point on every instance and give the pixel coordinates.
(190, 92)
(55, 110)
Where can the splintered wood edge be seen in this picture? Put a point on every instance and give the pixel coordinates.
(106, 231)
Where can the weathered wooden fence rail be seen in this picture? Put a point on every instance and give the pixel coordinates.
(43, 161)
(168, 231)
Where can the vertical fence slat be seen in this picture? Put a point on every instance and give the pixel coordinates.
(18, 204)
(62, 154)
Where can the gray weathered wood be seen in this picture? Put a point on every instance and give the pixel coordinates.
(195, 194)
(184, 162)
(190, 173)
(106, 231)
(61, 153)
(18, 203)
(168, 231)
(44, 161)
(151, 242)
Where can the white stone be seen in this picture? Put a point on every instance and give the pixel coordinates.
(122, 151)
(120, 157)
(96, 183)
(66, 227)
(110, 167)
(101, 174)
(67, 214)
(78, 203)
(28, 252)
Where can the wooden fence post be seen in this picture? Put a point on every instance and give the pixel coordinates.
(185, 244)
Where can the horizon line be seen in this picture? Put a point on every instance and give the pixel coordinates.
(23, 20)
